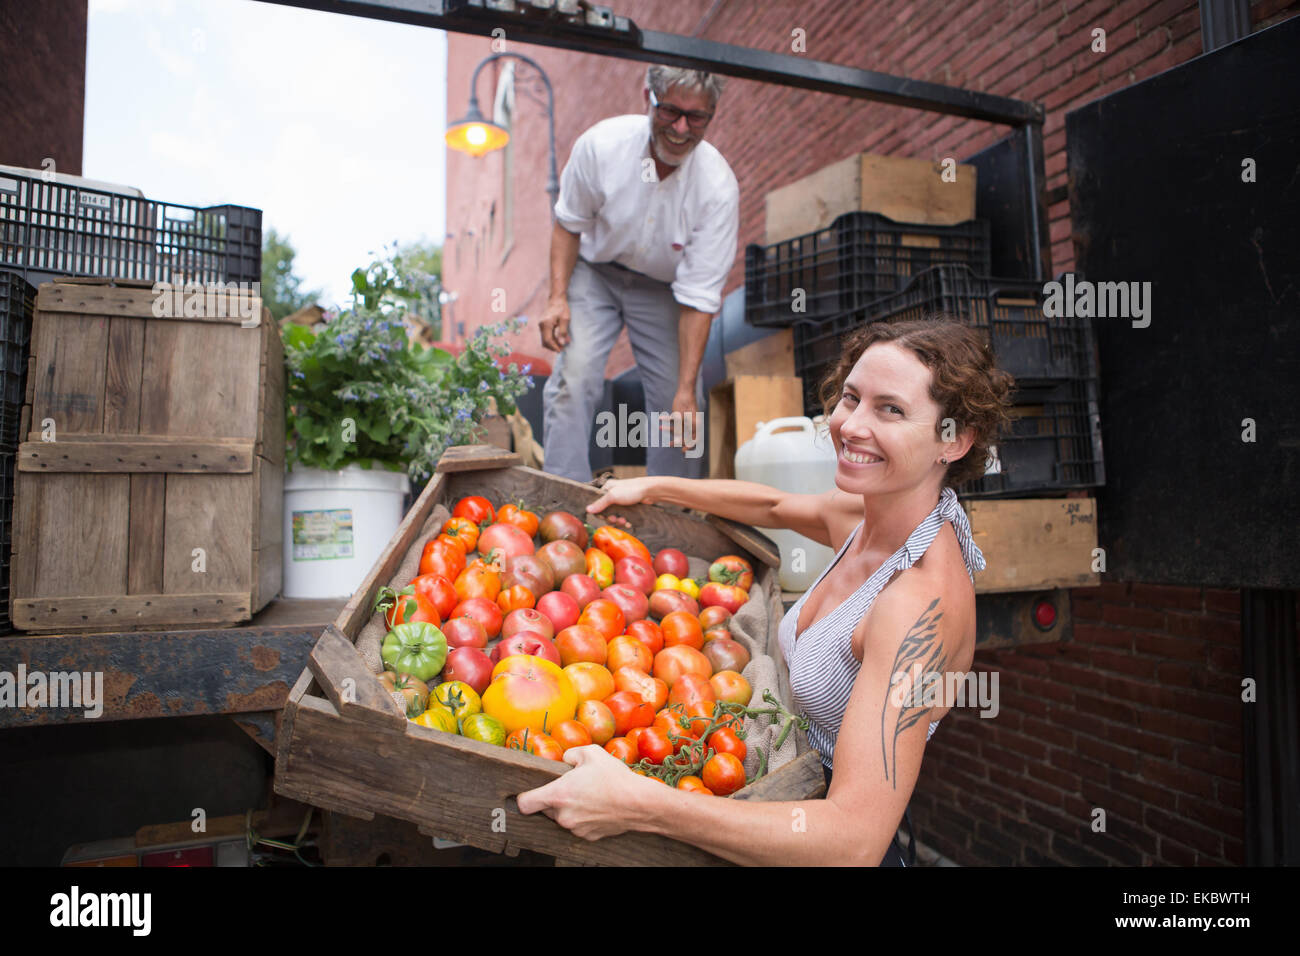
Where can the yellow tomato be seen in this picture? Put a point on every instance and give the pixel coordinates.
(689, 586)
(668, 582)
(528, 691)
(458, 697)
(437, 718)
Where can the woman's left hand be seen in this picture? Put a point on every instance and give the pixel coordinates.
(594, 800)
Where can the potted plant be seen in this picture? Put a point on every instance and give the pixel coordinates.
(369, 411)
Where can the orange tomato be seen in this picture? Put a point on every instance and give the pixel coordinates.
(693, 784)
(731, 687)
(682, 627)
(618, 544)
(513, 598)
(714, 616)
(724, 774)
(571, 733)
(699, 715)
(463, 531)
(650, 689)
(478, 580)
(442, 557)
(600, 567)
(591, 681)
(515, 514)
(419, 607)
(690, 689)
(624, 651)
(605, 616)
(673, 723)
(672, 662)
(529, 741)
(629, 711)
(623, 749)
(725, 741)
(648, 633)
(598, 719)
(580, 642)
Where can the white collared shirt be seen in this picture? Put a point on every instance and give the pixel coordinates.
(681, 229)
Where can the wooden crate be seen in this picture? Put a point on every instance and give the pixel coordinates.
(737, 406)
(159, 501)
(905, 190)
(344, 746)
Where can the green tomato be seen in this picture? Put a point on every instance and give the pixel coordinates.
(416, 648)
(486, 728)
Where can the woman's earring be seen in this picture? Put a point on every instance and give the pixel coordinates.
(943, 461)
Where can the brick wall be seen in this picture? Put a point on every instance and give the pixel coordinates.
(42, 83)
(1139, 713)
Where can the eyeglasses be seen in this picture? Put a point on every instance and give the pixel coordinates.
(671, 114)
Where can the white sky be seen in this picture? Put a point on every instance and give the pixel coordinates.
(331, 125)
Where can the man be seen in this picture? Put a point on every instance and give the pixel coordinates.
(645, 234)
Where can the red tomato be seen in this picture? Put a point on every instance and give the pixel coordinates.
(648, 633)
(438, 591)
(543, 745)
(693, 784)
(515, 514)
(624, 651)
(724, 774)
(605, 616)
(654, 745)
(419, 607)
(476, 508)
(442, 557)
(623, 749)
(714, 616)
(618, 544)
(673, 723)
(682, 627)
(690, 689)
(725, 741)
(571, 733)
(483, 611)
(723, 595)
(699, 715)
(629, 711)
(634, 735)
(650, 689)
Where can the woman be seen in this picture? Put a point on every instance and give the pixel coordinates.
(916, 405)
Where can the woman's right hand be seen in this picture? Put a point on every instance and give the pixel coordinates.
(622, 491)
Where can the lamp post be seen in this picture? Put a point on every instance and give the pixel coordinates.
(478, 136)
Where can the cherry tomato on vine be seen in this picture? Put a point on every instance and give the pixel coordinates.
(725, 741)
(653, 744)
(723, 774)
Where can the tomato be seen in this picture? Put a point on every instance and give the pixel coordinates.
(560, 525)
(571, 733)
(463, 531)
(441, 557)
(528, 691)
(598, 719)
(689, 586)
(459, 698)
(724, 774)
(625, 651)
(731, 687)
(605, 616)
(407, 608)
(411, 695)
(514, 598)
(484, 728)
(600, 567)
(690, 688)
(672, 662)
(715, 616)
(648, 633)
(629, 711)
(515, 514)
(438, 591)
(732, 569)
(724, 595)
(509, 539)
(654, 745)
(437, 718)
(478, 580)
(674, 724)
(529, 741)
(633, 736)
(635, 573)
(623, 749)
(650, 689)
(693, 784)
(725, 741)
(716, 634)
(418, 649)
(619, 544)
(671, 561)
(667, 582)
(482, 610)
(590, 681)
(682, 627)
(699, 715)
(581, 643)
(476, 508)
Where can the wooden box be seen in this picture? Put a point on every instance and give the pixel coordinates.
(149, 489)
(344, 746)
(905, 190)
(737, 406)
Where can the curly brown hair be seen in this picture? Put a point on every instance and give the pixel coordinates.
(965, 382)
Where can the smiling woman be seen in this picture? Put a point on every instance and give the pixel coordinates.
(913, 408)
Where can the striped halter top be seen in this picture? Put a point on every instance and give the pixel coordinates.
(821, 663)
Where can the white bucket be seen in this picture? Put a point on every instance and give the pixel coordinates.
(336, 524)
(790, 454)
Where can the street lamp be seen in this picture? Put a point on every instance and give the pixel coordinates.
(478, 136)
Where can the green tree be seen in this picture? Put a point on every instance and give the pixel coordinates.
(282, 290)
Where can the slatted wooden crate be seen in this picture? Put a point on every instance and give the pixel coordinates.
(149, 489)
(343, 745)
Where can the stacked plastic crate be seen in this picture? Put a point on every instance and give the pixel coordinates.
(866, 268)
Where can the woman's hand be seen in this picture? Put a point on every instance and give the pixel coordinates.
(594, 800)
(622, 491)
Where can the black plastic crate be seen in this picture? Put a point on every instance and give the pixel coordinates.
(1009, 312)
(63, 229)
(17, 303)
(858, 259)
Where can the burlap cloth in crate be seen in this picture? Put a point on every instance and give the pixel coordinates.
(749, 626)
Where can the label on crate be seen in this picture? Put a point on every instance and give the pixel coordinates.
(96, 199)
(322, 535)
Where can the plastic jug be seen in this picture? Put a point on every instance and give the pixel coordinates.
(792, 454)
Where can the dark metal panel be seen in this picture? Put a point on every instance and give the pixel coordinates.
(651, 46)
(1009, 193)
(1157, 195)
(1223, 21)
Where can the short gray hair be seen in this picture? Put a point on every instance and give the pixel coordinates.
(660, 79)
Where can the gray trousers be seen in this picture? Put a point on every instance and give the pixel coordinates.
(602, 298)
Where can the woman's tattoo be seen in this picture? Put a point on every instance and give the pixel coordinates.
(920, 645)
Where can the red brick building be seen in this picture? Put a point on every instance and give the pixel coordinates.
(1138, 713)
